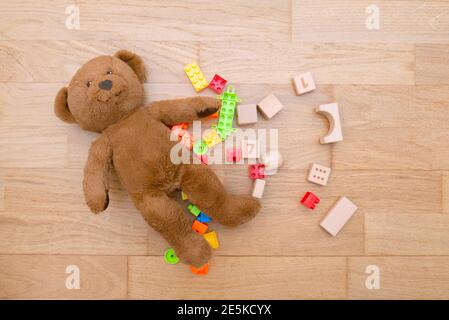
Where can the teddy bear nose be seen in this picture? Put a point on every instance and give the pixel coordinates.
(105, 85)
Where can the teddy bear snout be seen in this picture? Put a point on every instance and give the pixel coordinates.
(105, 85)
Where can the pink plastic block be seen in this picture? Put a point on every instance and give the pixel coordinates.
(256, 171)
(310, 200)
(202, 158)
(233, 155)
(217, 83)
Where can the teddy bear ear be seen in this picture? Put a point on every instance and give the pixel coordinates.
(134, 61)
(62, 108)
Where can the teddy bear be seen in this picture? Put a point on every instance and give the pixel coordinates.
(106, 96)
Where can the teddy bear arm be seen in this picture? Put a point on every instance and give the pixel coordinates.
(96, 172)
(172, 112)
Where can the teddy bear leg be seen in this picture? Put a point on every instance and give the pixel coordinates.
(168, 218)
(205, 190)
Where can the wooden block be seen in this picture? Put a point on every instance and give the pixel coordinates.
(258, 188)
(319, 174)
(304, 83)
(246, 114)
(330, 111)
(337, 217)
(250, 149)
(270, 106)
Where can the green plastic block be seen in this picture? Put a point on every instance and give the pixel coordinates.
(200, 147)
(170, 256)
(194, 210)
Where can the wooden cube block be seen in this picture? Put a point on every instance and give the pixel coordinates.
(246, 114)
(258, 188)
(337, 217)
(304, 83)
(270, 106)
(319, 174)
(250, 149)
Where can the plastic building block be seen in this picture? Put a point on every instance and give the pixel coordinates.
(201, 271)
(337, 217)
(187, 140)
(273, 161)
(179, 130)
(310, 200)
(183, 196)
(256, 171)
(258, 188)
(211, 237)
(199, 227)
(233, 155)
(200, 147)
(214, 115)
(319, 174)
(246, 114)
(270, 106)
(211, 138)
(202, 217)
(250, 149)
(304, 83)
(170, 256)
(229, 101)
(194, 210)
(196, 77)
(217, 84)
(203, 158)
(332, 114)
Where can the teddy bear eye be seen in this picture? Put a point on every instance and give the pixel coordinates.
(88, 83)
(109, 72)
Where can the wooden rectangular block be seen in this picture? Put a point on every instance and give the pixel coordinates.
(304, 83)
(337, 217)
(250, 149)
(258, 188)
(270, 106)
(319, 174)
(246, 114)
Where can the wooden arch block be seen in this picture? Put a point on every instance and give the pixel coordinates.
(330, 111)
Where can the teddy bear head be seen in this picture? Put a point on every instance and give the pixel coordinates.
(103, 91)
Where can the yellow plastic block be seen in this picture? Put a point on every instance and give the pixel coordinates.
(212, 138)
(195, 75)
(211, 237)
(183, 196)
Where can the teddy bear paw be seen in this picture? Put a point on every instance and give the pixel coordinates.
(98, 203)
(195, 250)
(239, 209)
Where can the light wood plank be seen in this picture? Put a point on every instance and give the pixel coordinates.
(445, 191)
(240, 278)
(432, 64)
(400, 278)
(2, 190)
(396, 128)
(411, 21)
(172, 20)
(44, 277)
(406, 234)
(330, 63)
(45, 213)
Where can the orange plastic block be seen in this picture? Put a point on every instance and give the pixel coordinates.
(199, 227)
(201, 271)
(213, 116)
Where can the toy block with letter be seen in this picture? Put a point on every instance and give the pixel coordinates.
(304, 83)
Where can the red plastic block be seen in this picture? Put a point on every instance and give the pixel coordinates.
(217, 83)
(310, 200)
(201, 271)
(202, 157)
(256, 171)
(199, 227)
(233, 155)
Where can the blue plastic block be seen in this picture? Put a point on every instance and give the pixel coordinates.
(202, 217)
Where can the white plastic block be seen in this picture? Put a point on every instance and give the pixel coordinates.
(330, 111)
(337, 217)
(270, 106)
(304, 83)
(258, 188)
(319, 174)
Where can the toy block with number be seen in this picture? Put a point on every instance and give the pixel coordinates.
(246, 114)
(217, 84)
(310, 200)
(319, 174)
(194, 210)
(337, 217)
(229, 101)
(258, 188)
(304, 83)
(211, 138)
(256, 171)
(331, 112)
(270, 106)
(201, 271)
(233, 155)
(196, 77)
(211, 237)
(199, 227)
(250, 149)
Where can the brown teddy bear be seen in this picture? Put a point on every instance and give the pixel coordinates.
(106, 95)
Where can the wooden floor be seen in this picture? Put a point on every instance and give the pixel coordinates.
(392, 86)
